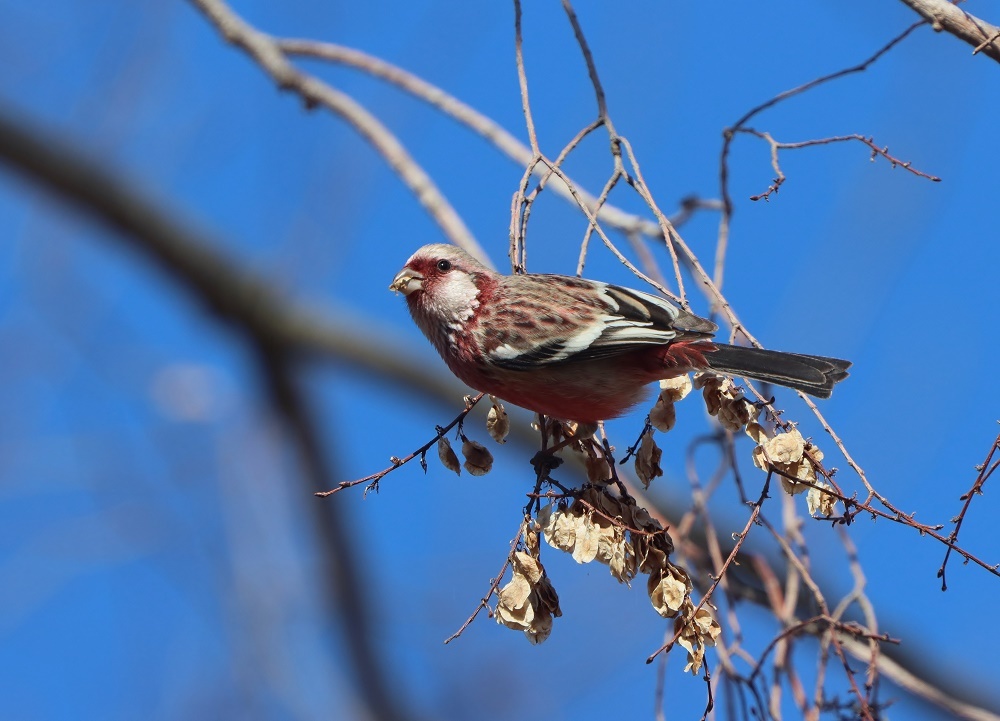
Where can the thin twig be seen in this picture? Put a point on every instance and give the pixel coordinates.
(373, 479)
(876, 152)
(730, 132)
(985, 471)
(468, 116)
(588, 57)
(988, 41)
(484, 602)
(524, 203)
(754, 513)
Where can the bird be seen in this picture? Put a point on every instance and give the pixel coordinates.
(575, 349)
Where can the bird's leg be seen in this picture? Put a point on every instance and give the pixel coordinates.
(544, 463)
(610, 458)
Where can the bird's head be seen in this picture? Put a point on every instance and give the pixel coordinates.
(442, 285)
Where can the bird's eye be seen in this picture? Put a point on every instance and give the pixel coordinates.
(444, 265)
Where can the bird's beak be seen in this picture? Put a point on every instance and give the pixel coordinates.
(407, 281)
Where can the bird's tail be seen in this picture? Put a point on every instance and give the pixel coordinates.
(812, 374)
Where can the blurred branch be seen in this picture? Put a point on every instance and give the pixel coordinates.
(943, 15)
(342, 572)
(265, 51)
(277, 331)
(247, 302)
(949, 699)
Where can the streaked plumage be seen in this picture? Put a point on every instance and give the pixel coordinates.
(572, 348)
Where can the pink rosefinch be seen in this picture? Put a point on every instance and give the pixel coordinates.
(576, 349)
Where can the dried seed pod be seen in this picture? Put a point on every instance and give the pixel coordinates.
(619, 554)
(735, 412)
(796, 460)
(786, 448)
(697, 630)
(478, 460)
(447, 456)
(704, 379)
(647, 460)
(497, 422)
(723, 400)
(528, 602)
(663, 415)
(820, 502)
(598, 469)
(513, 609)
(756, 432)
(588, 539)
(712, 393)
(559, 527)
(668, 590)
(676, 388)
(643, 521)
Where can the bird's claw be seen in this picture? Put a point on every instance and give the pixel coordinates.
(543, 462)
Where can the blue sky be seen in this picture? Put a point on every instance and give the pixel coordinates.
(156, 552)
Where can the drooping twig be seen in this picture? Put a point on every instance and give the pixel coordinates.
(372, 480)
(484, 602)
(730, 132)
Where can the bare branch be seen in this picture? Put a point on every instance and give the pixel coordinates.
(729, 133)
(943, 15)
(985, 471)
(877, 151)
(465, 114)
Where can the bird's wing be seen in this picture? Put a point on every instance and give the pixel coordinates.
(541, 320)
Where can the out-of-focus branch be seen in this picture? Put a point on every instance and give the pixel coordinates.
(265, 51)
(984, 37)
(247, 302)
(951, 700)
(278, 332)
(342, 573)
